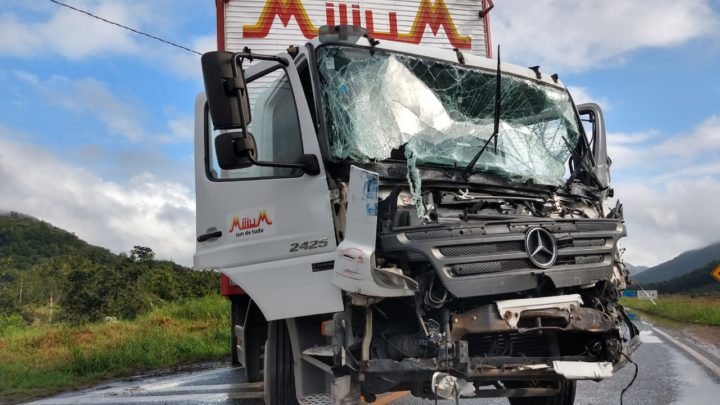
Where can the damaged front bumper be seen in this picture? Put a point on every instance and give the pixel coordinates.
(515, 340)
(564, 313)
(419, 375)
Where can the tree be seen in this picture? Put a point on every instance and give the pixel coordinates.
(139, 253)
(84, 297)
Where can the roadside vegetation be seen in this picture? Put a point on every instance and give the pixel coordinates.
(38, 360)
(48, 275)
(72, 313)
(699, 309)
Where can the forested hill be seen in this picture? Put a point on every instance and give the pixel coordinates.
(48, 275)
(27, 241)
(683, 264)
(697, 281)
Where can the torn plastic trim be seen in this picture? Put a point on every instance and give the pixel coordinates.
(486, 319)
(581, 370)
(511, 310)
(354, 267)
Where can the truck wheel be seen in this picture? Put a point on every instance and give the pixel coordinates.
(566, 396)
(279, 370)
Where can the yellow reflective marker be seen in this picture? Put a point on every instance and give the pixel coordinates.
(716, 273)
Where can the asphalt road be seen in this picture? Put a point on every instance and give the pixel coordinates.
(667, 375)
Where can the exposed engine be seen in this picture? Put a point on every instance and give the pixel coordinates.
(500, 281)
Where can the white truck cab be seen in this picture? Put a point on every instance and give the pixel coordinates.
(409, 218)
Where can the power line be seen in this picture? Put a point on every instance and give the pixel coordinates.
(125, 27)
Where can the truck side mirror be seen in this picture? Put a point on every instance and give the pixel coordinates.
(226, 91)
(234, 150)
(594, 115)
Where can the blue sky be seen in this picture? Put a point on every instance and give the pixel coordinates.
(96, 122)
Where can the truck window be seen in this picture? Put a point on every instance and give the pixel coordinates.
(275, 126)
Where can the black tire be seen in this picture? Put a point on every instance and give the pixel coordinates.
(566, 396)
(236, 318)
(279, 370)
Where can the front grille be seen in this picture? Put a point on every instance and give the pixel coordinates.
(464, 255)
(467, 269)
(483, 248)
(498, 256)
(581, 227)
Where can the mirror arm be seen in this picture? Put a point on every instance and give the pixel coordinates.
(309, 164)
(247, 54)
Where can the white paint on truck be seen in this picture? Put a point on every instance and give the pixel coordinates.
(261, 216)
(270, 26)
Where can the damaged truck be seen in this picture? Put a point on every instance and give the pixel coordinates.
(405, 218)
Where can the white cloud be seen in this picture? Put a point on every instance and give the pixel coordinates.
(181, 128)
(94, 99)
(185, 64)
(669, 188)
(74, 36)
(582, 95)
(667, 218)
(673, 153)
(143, 211)
(579, 35)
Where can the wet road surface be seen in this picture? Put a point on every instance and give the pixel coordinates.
(667, 375)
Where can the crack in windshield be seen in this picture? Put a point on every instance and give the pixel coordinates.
(379, 102)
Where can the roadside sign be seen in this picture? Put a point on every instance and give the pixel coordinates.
(647, 295)
(716, 273)
(629, 293)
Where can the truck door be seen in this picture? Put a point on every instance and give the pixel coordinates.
(269, 229)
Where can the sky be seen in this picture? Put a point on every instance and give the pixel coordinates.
(96, 122)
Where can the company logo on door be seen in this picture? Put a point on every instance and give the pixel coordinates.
(433, 14)
(252, 222)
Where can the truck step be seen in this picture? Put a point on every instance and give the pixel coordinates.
(319, 351)
(317, 399)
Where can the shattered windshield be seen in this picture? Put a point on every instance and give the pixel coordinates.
(384, 105)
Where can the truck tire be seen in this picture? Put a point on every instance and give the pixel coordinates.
(566, 396)
(279, 366)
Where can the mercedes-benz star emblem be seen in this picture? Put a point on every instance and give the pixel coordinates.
(541, 248)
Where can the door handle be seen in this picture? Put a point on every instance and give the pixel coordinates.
(209, 235)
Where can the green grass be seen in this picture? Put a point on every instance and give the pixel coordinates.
(41, 360)
(704, 310)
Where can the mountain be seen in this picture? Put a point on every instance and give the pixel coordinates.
(28, 241)
(697, 281)
(683, 264)
(635, 270)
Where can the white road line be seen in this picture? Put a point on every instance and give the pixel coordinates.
(208, 387)
(204, 398)
(162, 382)
(692, 352)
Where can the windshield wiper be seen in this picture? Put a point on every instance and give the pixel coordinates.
(496, 119)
